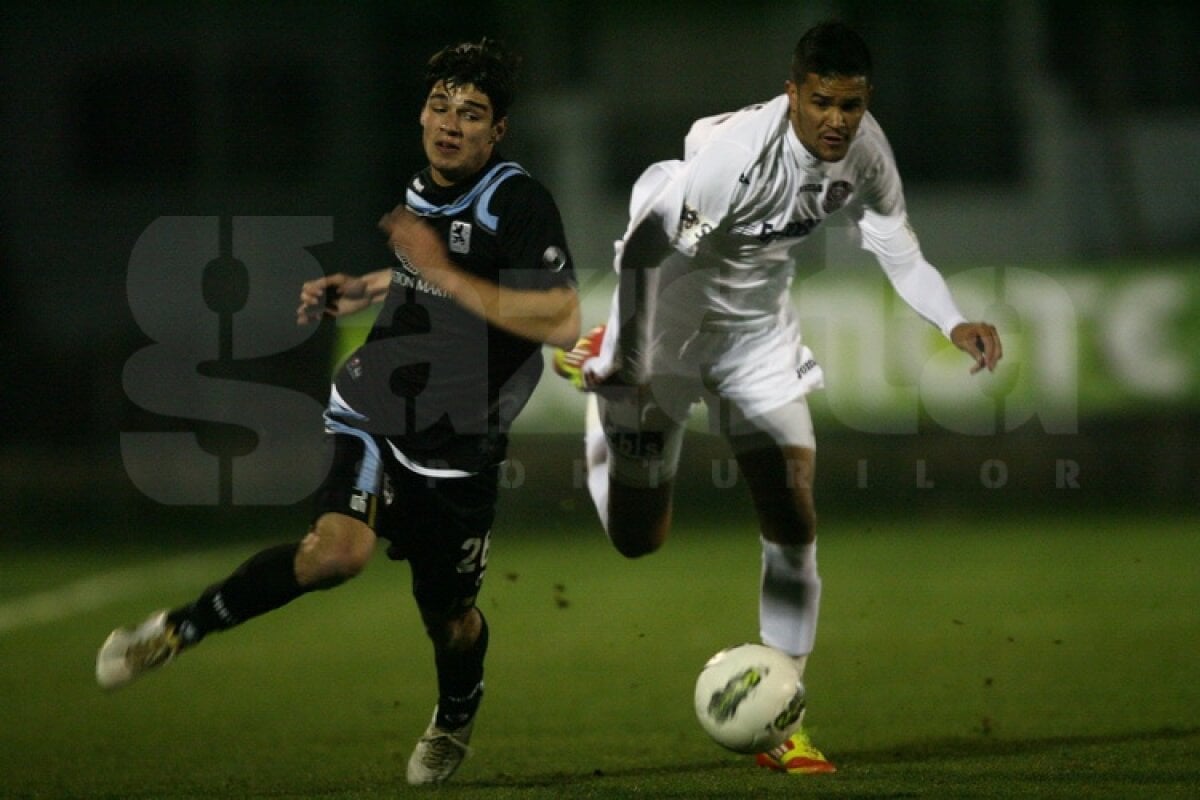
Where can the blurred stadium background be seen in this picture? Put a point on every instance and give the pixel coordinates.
(172, 171)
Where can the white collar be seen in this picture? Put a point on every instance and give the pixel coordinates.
(804, 158)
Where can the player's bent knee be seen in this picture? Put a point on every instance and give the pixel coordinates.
(636, 538)
(455, 630)
(793, 528)
(337, 549)
(635, 549)
(639, 518)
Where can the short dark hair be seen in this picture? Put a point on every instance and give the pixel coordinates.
(488, 65)
(831, 49)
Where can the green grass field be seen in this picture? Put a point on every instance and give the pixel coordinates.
(957, 657)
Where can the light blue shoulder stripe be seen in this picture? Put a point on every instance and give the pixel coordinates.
(481, 192)
(483, 214)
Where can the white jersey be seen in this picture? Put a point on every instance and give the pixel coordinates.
(748, 192)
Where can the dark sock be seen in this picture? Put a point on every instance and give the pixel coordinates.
(265, 582)
(460, 682)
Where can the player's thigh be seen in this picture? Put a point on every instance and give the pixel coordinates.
(776, 454)
(645, 439)
(643, 429)
(443, 526)
(341, 538)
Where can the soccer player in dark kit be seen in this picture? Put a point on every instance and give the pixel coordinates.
(418, 416)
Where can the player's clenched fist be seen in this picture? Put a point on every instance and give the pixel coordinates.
(331, 296)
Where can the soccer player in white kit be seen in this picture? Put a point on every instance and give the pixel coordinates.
(702, 312)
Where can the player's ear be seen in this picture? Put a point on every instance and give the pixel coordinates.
(793, 93)
(499, 129)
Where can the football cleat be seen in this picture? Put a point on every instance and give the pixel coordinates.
(569, 363)
(128, 653)
(438, 753)
(796, 756)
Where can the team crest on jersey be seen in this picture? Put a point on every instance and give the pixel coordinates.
(460, 237)
(836, 196)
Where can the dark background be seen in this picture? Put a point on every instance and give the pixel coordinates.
(1027, 132)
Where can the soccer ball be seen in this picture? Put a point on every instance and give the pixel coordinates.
(749, 698)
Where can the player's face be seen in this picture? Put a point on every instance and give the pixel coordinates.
(826, 112)
(458, 132)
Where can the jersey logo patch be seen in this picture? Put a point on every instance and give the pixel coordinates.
(836, 196)
(460, 237)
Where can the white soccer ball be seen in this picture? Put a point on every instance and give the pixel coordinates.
(749, 698)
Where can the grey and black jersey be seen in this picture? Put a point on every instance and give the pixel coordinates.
(439, 382)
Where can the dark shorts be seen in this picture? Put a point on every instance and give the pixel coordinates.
(441, 526)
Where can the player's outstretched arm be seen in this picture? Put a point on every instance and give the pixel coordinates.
(623, 359)
(890, 238)
(642, 251)
(339, 294)
(980, 341)
(550, 316)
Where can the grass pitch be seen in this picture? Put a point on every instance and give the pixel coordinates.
(956, 658)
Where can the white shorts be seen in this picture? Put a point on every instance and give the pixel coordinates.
(751, 380)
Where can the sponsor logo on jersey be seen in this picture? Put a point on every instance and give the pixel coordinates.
(811, 187)
(836, 196)
(796, 229)
(415, 281)
(554, 258)
(404, 262)
(410, 278)
(460, 237)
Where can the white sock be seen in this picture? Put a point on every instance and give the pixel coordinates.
(789, 598)
(595, 450)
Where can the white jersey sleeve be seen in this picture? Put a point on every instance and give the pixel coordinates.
(693, 198)
(710, 191)
(919, 284)
(887, 234)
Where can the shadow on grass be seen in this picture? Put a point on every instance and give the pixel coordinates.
(982, 746)
(939, 750)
